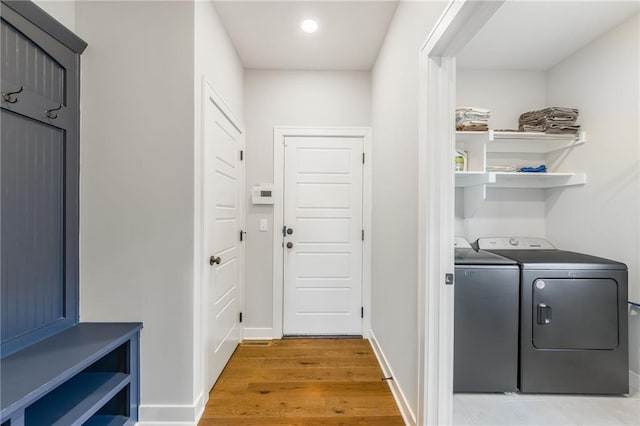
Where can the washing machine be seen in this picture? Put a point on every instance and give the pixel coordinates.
(573, 318)
(486, 294)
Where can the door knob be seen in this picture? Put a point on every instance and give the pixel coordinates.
(289, 245)
(214, 260)
(286, 231)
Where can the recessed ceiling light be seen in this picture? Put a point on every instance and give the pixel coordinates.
(309, 26)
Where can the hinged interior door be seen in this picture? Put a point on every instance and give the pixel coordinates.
(222, 221)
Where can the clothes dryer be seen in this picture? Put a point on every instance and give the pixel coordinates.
(573, 318)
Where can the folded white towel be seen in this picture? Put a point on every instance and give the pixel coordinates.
(473, 109)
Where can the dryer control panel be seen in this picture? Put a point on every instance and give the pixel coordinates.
(514, 243)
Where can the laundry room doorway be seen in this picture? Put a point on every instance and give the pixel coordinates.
(321, 210)
(458, 24)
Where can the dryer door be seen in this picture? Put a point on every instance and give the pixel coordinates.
(575, 314)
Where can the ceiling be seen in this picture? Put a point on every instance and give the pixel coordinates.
(537, 35)
(267, 34)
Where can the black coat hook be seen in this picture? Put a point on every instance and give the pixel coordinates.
(7, 96)
(51, 114)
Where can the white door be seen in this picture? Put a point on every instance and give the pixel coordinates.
(222, 250)
(322, 239)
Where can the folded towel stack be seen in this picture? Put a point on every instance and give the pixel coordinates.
(472, 119)
(550, 120)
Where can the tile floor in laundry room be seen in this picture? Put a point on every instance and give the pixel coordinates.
(533, 409)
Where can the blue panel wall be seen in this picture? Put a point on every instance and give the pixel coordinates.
(23, 63)
(39, 177)
(32, 225)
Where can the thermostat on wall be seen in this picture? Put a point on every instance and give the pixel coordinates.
(262, 193)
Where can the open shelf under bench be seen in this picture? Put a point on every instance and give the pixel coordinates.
(87, 374)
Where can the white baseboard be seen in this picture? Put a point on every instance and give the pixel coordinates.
(258, 333)
(173, 415)
(634, 380)
(200, 405)
(407, 414)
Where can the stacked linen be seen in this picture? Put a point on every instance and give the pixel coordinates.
(550, 120)
(502, 169)
(472, 119)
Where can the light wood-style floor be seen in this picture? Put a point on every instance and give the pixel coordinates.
(302, 382)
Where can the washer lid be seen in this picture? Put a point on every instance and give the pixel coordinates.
(558, 259)
(468, 256)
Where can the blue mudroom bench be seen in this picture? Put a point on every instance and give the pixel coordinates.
(54, 370)
(87, 374)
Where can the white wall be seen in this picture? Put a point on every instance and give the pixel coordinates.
(602, 216)
(64, 11)
(504, 213)
(140, 188)
(216, 58)
(216, 61)
(287, 98)
(137, 214)
(507, 93)
(395, 183)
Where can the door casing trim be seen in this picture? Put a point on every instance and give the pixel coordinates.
(459, 23)
(279, 133)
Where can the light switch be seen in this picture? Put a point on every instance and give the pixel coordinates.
(263, 225)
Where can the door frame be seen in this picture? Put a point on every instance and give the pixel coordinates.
(201, 266)
(459, 23)
(279, 133)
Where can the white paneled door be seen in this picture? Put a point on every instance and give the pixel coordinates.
(322, 236)
(222, 250)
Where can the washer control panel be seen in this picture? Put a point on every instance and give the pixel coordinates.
(514, 243)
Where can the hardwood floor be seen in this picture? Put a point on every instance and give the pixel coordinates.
(302, 382)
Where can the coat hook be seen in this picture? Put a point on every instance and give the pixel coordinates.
(51, 114)
(7, 96)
